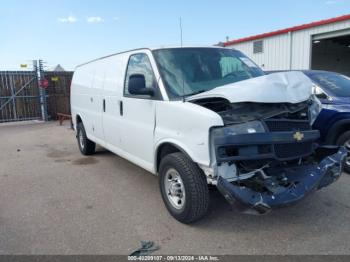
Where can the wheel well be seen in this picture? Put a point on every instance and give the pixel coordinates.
(336, 131)
(79, 119)
(165, 149)
(341, 131)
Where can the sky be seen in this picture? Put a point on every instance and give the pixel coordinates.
(70, 32)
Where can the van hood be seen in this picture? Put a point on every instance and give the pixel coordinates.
(284, 87)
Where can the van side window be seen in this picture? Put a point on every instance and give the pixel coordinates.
(140, 64)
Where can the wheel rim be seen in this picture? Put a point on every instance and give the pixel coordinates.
(174, 189)
(81, 139)
(347, 147)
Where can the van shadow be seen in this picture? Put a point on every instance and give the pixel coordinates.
(314, 210)
(100, 151)
(222, 217)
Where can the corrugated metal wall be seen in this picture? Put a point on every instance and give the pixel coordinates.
(276, 55)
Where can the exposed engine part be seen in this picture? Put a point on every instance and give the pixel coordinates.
(235, 113)
(261, 181)
(258, 179)
(228, 171)
(269, 177)
(231, 173)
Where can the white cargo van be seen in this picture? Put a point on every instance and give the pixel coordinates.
(198, 116)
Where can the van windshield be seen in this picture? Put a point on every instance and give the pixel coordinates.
(189, 71)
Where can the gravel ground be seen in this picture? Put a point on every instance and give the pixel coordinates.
(56, 201)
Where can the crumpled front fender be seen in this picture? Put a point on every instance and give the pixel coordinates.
(303, 180)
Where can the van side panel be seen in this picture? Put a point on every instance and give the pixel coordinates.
(86, 98)
(115, 67)
(81, 85)
(103, 80)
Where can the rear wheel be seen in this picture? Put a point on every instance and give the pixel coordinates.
(86, 146)
(344, 140)
(183, 187)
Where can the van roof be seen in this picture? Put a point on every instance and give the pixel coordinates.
(151, 49)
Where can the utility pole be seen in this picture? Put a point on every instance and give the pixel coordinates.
(39, 68)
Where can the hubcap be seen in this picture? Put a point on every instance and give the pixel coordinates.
(174, 188)
(81, 139)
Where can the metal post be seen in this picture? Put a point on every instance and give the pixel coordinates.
(290, 36)
(42, 91)
(12, 85)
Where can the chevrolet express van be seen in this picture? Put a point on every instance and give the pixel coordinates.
(205, 116)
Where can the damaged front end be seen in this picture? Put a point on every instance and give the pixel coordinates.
(273, 187)
(266, 156)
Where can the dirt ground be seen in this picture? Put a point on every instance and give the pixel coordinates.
(56, 201)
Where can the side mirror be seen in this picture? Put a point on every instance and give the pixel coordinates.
(318, 92)
(137, 85)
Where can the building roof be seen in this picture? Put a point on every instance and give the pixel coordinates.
(290, 29)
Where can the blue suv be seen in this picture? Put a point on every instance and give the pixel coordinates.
(333, 90)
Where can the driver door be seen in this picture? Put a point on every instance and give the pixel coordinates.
(138, 114)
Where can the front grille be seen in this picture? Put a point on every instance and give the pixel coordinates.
(291, 150)
(276, 125)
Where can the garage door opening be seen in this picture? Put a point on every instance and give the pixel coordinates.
(331, 54)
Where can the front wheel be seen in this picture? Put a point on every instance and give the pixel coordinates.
(183, 187)
(344, 140)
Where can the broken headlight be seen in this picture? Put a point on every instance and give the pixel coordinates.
(245, 128)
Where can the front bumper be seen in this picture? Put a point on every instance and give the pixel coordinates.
(264, 146)
(303, 180)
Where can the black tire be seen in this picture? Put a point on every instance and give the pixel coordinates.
(196, 200)
(342, 141)
(86, 146)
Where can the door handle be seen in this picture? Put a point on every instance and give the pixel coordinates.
(121, 107)
(104, 105)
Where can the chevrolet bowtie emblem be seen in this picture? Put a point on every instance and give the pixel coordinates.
(298, 136)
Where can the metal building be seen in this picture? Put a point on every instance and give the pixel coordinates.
(323, 45)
